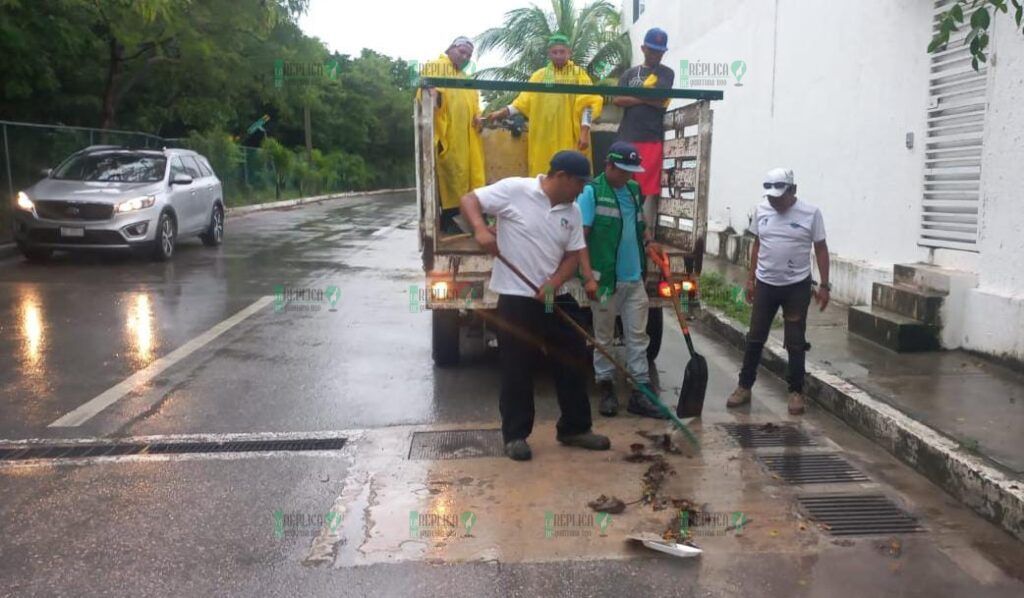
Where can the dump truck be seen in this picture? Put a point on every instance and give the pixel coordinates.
(456, 268)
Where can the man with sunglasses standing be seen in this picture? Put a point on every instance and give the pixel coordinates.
(786, 228)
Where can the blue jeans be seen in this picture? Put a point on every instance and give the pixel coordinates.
(629, 302)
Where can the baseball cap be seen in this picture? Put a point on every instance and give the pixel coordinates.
(624, 155)
(774, 179)
(573, 163)
(656, 39)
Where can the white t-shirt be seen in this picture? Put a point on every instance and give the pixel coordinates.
(786, 241)
(532, 235)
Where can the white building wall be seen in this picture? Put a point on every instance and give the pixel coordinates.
(831, 91)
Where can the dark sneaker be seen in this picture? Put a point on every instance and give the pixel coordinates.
(587, 440)
(640, 405)
(609, 405)
(518, 450)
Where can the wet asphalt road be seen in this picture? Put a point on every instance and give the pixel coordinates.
(81, 325)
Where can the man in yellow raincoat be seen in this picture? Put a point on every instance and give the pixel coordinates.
(558, 121)
(457, 123)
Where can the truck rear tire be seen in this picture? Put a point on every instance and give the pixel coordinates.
(445, 337)
(655, 325)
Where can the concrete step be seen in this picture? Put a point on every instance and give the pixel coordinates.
(932, 278)
(915, 303)
(892, 330)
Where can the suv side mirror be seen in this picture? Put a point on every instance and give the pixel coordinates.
(181, 179)
(46, 172)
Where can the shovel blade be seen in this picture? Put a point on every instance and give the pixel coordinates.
(695, 385)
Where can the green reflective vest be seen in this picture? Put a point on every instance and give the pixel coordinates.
(606, 233)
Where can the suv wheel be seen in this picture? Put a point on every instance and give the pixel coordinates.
(214, 234)
(163, 247)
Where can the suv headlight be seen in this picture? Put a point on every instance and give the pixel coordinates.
(132, 205)
(24, 203)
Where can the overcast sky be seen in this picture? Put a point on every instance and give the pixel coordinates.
(410, 29)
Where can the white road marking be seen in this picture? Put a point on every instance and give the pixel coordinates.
(88, 410)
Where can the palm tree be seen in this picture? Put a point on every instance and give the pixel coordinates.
(597, 43)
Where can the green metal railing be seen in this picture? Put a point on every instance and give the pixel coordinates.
(601, 90)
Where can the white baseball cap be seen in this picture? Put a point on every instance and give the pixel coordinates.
(775, 176)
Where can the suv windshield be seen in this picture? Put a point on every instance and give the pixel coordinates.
(116, 167)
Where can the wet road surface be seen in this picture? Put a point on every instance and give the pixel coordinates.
(165, 349)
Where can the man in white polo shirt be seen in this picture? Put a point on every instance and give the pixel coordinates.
(780, 276)
(540, 232)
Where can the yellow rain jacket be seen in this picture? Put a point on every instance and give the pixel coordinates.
(460, 153)
(555, 118)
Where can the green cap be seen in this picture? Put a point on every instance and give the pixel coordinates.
(558, 39)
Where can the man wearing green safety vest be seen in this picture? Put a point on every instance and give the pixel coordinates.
(613, 269)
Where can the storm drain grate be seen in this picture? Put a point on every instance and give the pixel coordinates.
(457, 444)
(78, 451)
(858, 514)
(767, 435)
(812, 468)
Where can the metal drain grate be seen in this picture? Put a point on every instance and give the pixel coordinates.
(858, 514)
(767, 435)
(457, 444)
(812, 468)
(79, 451)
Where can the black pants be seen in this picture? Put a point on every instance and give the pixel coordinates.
(524, 329)
(794, 299)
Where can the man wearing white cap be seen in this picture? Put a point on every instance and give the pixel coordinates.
(786, 228)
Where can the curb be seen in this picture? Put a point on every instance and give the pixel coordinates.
(986, 489)
(290, 203)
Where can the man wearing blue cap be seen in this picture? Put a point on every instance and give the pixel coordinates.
(642, 120)
(539, 231)
(613, 269)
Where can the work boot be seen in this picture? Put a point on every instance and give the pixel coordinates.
(609, 405)
(640, 405)
(739, 397)
(518, 450)
(587, 440)
(796, 403)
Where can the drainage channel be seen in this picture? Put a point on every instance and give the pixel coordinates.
(840, 514)
(117, 449)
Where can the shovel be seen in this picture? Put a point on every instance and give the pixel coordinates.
(604, 351)
(695, 378)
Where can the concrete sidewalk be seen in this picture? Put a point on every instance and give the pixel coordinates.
(956, 417)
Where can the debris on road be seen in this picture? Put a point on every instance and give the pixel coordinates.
(894, 547)
(653, 478)
(637, 454)
(653, 542)
(607, 504)
(662, 441)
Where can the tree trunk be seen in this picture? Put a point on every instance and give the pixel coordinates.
(114, 71)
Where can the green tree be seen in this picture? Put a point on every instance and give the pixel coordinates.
(953, 18)
(595, 35)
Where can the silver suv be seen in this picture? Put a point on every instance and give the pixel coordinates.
(109, 197)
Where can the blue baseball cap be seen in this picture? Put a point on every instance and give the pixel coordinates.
(656, 39)
(572, 163)
(624, 155)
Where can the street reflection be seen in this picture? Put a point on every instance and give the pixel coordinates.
(140, 330)
(33, 331)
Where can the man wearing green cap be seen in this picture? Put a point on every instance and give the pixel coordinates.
(558, 121)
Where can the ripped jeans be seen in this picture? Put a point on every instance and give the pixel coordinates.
(794, 299)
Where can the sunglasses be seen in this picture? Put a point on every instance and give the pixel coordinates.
(776, 185)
